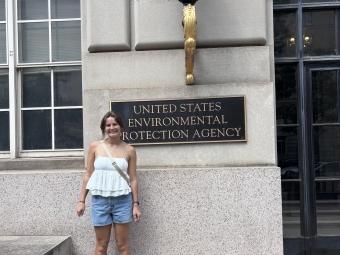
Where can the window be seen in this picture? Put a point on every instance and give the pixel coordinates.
(4, 83)
(4, 110)
(307, 84)
(318, 36)
(49, 31)
(41, 77)
(3, 40)
(51, 108)
(284, 31)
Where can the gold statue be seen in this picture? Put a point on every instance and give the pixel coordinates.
(189, 25)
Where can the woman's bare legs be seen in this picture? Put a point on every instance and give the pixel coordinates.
(122, 232)
(102, 239)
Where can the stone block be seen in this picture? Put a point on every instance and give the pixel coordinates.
(158, 23)
(166, 68)
(190, 211)
(107, 24)
(260, 148)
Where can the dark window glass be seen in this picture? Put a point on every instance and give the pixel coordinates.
(4, 134)
(37, 130)
(328, 207)
(284, 34)
(291, 207)
(66, 41)
(285, 1)
(326, 148)
(69, 129)
(36, 87)
(287, 152)
(325, 101)
(63, 9)
(326, 151)
(3, 50)
(319, 1)
(30, 10)
(319, 33)
(33, 42)
(286, 94)
(4, 90)
(2, 10)
(67, 86)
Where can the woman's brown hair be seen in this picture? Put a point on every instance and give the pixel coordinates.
(108, 115)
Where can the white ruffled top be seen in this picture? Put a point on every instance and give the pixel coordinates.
(105, 179)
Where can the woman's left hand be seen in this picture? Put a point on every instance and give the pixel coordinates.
(136, 212)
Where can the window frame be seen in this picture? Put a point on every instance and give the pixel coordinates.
(49, 20)
(40, 153)
(15, 83)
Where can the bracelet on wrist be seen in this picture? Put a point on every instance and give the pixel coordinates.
(135, 202)
(81, 201)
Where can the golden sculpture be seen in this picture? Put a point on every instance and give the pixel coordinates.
(189, 24)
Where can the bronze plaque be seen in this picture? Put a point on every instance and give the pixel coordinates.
(197, 120)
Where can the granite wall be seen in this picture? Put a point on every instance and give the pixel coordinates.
(190, 211)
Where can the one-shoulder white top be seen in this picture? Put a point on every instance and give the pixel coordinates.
(105, 179)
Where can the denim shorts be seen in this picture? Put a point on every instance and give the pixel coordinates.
(108, 210)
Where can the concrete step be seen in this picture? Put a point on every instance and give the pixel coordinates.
(35, 245)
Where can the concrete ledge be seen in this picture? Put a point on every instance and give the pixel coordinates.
(35, 245)
(42, 163)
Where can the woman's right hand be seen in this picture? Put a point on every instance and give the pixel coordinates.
(80, 209)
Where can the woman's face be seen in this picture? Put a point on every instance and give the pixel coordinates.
(112, 128)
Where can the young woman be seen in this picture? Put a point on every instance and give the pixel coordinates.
(114, 191)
